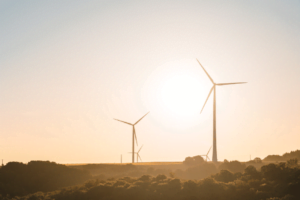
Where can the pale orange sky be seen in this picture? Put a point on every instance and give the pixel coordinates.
(66, 70)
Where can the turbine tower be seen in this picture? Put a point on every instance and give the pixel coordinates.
(207, 154)
(133, 134)
(214, 157)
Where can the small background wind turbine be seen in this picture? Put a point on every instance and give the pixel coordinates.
(137, 154)
(133, 133)
(207, 154)
(214, 156)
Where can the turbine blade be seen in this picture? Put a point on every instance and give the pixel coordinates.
(135, 136)
(139, 157)
(220, 84)
(206, 72)
(123, 122)
(207, 98)
(208, 151)
(140, 149)
(141, 118)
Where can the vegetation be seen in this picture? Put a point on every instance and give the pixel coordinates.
(193, 179)
(272, 182)
(233, 166)
(22, 179)
(193, 160)
(284, 157)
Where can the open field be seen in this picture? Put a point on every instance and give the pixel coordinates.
(140, 163)
(151, 163)
(155, 163)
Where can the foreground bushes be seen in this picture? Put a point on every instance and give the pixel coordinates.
(273, 182)
(22, 179)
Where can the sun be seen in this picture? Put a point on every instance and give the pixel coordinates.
(180, 94)
(175, 92)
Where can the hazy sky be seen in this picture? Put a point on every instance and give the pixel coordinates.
(67, 68)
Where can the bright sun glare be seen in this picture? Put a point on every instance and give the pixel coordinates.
(180, 94)
(176, 92)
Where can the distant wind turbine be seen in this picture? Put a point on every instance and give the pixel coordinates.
(137, 154)
(207, 154)
(133, 134)
(214, 157)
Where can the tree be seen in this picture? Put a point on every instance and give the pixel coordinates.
(292, 162)
(188, 161)
(252, 172)
(233, 166)
(198, 159)
(224, 176)
(193, 160)
(257, 160)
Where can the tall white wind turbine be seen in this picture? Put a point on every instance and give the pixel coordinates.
(133, 133)
(214, 157)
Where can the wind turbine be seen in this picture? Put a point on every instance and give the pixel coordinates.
(214, 157)
(133, 134)
(138, 155)
(207, 154)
